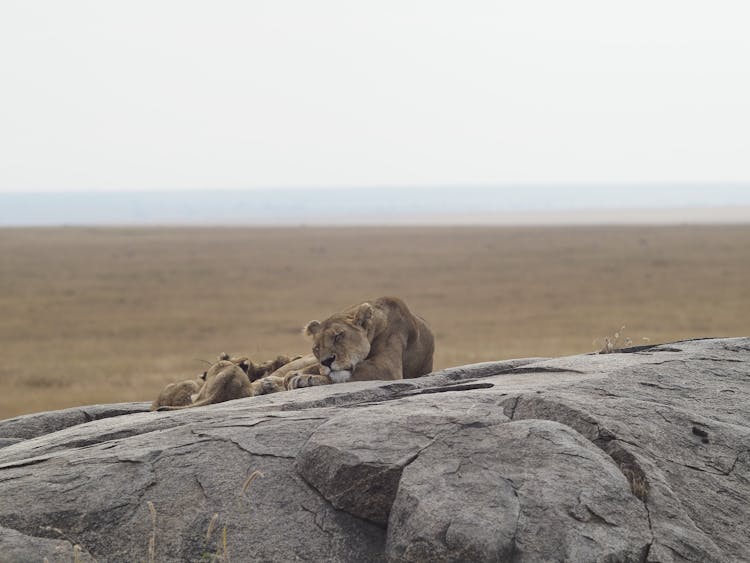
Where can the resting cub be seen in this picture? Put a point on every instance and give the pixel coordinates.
(256, 371)
(179, 394)
(227, 379)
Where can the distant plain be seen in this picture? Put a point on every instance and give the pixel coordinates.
(95, 315)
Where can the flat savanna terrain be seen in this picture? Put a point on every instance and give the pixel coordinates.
(113, 314)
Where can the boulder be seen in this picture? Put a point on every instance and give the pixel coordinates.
(639, 455)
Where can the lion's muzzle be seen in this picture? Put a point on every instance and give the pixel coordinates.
(341, 376)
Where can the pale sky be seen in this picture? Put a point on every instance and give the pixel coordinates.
(105, 95)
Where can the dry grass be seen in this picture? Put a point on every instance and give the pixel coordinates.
(110, 315)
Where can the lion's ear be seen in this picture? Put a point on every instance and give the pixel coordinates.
(312, 328)
(280, 361)
(363, 315)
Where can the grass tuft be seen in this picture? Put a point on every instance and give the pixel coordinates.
(211, 526)
(246, 485)
(152, 536)
(613, 343)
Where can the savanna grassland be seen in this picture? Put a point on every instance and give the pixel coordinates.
(113, 314)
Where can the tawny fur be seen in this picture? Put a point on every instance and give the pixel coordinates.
(230, 378)
(178, 394)
(374, 340)
(257, 371)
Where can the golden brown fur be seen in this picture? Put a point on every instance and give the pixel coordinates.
(257, 371)
(225, 381)
(229, 378)
(178, 394)
(378, 340)
(278, 380)
(308, 363)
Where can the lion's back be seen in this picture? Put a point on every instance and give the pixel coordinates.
(420, 340)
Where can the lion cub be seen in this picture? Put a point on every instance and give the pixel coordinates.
(179, 394)
(229, 378)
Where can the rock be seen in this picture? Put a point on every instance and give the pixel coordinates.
(15, 546)
(635, 456)
(33, 425)
(531, 490)
(355, 460)
(9, 441)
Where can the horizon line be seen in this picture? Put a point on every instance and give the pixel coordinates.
(589, 217)
(454, 185)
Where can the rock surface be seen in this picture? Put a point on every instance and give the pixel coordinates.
(635, 456)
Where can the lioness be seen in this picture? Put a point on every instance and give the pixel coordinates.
(378, 340)
(279, 379)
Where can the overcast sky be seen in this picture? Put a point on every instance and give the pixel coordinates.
(106, 95)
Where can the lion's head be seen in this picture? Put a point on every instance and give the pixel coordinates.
(218, 367)
(340, 342)
(252, 370)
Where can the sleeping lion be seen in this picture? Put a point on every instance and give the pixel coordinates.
(374, 340)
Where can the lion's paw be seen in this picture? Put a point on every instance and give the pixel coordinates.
(299, 381)
(307, 380)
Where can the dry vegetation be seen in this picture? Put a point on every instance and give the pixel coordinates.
(110, 315)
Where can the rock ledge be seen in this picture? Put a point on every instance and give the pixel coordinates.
(636, 456)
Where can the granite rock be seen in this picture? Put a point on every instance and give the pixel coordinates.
(641, 455)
